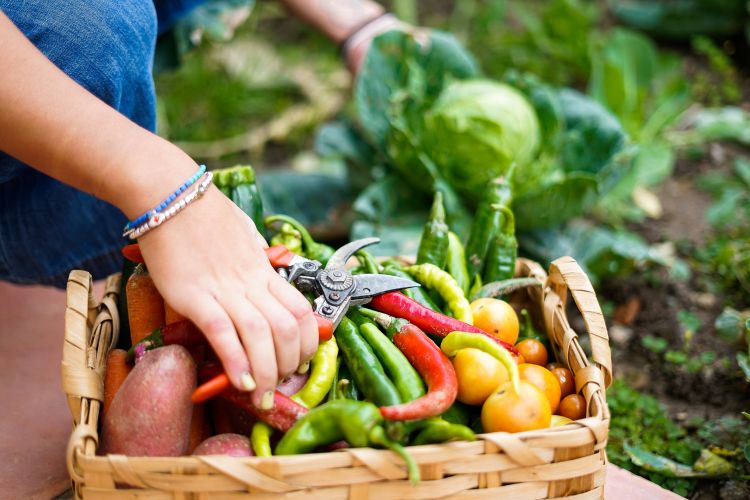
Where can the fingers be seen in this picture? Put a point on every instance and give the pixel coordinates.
(258, 345)
(286, 334)
(219, 330)
(302, 311)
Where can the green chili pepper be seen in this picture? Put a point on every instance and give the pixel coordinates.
(322, 375)
(500, 263)
(289, 237)
(311, 248)
(238, 184)
(367, 262)
(260, 439)
(455, 341)
(437, 430)
(435, 278)
(456, 264)
(433, 246)
(417, 294)
(485, 224)
(346, 386)
(358, 422)
(366, 370)
(402, 373)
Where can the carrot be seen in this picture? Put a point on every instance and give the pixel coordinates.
(117, 370)
(145, 305)
(172, 316)
(197, 427)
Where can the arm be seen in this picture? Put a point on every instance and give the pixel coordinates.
(339, 19)
(207, 262)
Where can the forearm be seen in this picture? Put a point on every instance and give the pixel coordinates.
(336, 19)
(56, 126)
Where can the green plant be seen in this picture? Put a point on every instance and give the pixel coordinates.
(720, 83)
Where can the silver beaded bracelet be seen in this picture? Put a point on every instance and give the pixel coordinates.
(158, 218)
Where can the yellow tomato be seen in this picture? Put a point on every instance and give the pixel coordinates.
(478, 375)
(497, 318)
(508, 411)
(544, 380)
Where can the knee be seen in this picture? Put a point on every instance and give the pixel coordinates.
(107, 46)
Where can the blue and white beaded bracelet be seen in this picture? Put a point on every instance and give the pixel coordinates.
(156, 218)
(164, 204)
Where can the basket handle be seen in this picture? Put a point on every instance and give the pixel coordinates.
(566, 276)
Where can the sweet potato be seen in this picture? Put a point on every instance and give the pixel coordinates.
(150, 414)
(234, 445)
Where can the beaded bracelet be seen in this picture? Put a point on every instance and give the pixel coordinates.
(164, 204)
(158, 218)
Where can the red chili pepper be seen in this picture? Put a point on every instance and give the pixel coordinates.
(399, 305)
(133, 253)
(282, 416)
(431, 363)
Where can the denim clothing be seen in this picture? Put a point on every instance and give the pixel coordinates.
(47, 228)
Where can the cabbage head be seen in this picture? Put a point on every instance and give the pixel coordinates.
(476, 130)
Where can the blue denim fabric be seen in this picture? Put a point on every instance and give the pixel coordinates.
(107, 46)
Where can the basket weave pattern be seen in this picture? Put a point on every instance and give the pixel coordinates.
(567, 461)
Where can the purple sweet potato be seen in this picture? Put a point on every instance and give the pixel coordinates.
(150, 414)
(234, 445)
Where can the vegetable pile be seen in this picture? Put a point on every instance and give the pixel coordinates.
(424, 366)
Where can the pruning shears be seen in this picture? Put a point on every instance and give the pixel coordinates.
(334, 287)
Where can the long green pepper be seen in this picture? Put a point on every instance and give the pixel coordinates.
(433, 246)
(358, 422)
(311, 248)
(366, 369)
(289, 237)
(238, 184)
(402, 373)
(443, 283)
(417, 293)
(456, 264)
(485, 224)
(500, 263)
(437, 430)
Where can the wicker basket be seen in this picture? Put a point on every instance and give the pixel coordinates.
(567, 461)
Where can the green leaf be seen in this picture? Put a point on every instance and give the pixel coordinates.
(657, 463)
(743, 360)
(730, 123)
(654, 344)
(676, 357)
(600, 250)
(712, 464)
(682, 19)
(730, 324)
(299, 195)
(554, 202)
(592, 135)
(387, 70)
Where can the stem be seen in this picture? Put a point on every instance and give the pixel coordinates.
(308, 240)
(377, 436)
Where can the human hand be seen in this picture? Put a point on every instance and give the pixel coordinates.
(210, 266)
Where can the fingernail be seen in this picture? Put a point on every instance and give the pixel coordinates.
(303, 368)
(266, 402)
(247, 382)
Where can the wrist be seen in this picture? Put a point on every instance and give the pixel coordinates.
(354, 47)
(147, 172)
